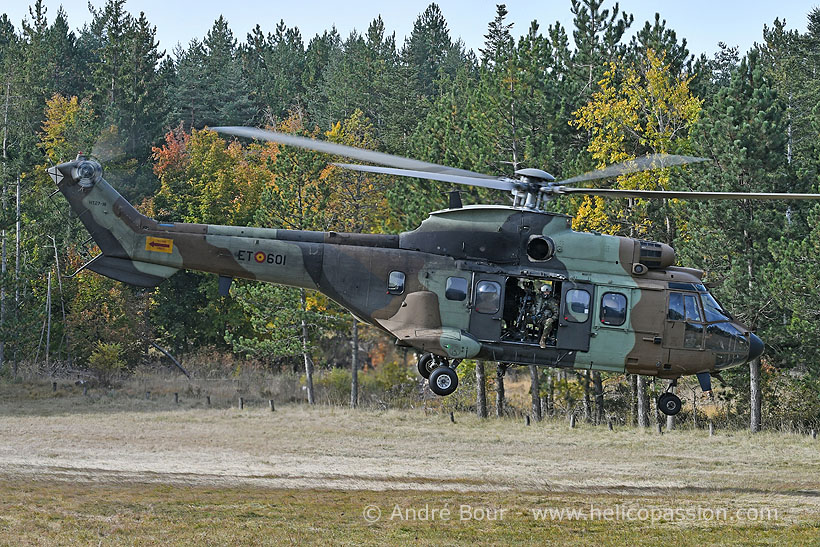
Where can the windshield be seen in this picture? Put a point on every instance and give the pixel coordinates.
(712, 310)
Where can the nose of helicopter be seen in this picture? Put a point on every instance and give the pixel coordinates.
(755, 347)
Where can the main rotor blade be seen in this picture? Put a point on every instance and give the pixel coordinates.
(672, 194)
(348, 151)
(498, 184)
(643, 163)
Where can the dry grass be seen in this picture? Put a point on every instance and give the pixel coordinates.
(35, 513)
(114, 456)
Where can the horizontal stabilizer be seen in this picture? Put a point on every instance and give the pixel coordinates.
(133, 272)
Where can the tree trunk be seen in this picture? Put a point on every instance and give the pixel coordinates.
(354, 366)
(305, 353)
(551, 393)
(633, 399)
(755, 396)
(598, 385)
(16, 275)
(500, 369)
(3, 265)
(48, 315)
(535, 390)
(694, 409)
(480, 390)
(643, 402)
(587, 402)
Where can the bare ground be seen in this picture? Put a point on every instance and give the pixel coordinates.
(107, 439)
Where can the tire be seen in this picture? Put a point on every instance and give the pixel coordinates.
(426, 364)
(443, 381)
(669, 403)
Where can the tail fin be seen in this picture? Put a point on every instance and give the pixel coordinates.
(113, 223)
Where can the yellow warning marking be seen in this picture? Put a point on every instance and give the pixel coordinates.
(159, 244)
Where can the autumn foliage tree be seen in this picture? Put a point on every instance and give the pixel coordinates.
(639, 109)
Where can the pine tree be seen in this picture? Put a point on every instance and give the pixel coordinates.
(498, 42)
(659, 38)
(211, 87)
(427, 49)
(275, 64)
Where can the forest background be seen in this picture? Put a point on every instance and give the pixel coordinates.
(563, 99)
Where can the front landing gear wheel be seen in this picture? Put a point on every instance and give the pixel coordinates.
(443, 381)
(427, 363)
(669, 404)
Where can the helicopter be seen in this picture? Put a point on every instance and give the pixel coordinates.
(513, 284)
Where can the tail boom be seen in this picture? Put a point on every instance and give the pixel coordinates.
(141, 251)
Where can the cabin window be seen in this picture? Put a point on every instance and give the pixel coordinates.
(395, 283)
(487, 297)
(576, 306)
(613, 309)
(456, 288)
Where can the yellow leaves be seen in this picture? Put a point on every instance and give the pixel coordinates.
(67, 129)
(591, 216)
(639, 109)
(358, 202)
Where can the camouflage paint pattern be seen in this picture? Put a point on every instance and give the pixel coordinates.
(458, 246)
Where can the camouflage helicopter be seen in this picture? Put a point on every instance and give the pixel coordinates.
(513, 284)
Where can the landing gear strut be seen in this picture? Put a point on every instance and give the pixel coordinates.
(669, 403)
(427, 363)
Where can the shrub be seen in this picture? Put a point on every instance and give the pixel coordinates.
(106, 361)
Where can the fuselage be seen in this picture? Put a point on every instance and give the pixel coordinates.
(470, 282)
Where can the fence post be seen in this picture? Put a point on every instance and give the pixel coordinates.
(272, 409)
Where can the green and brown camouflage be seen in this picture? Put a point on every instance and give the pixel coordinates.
(461, 285)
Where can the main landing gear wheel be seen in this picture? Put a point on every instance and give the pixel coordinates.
(443, 381)
(669, 404)
(427, 363)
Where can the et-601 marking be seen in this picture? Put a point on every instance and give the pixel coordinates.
(261, 257)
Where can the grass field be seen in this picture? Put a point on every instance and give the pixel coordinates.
(114, 469)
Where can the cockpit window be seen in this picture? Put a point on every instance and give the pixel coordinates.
(675, 307)
(692, 309)
(712, 309)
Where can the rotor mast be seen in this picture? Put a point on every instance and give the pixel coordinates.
(527, 192)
